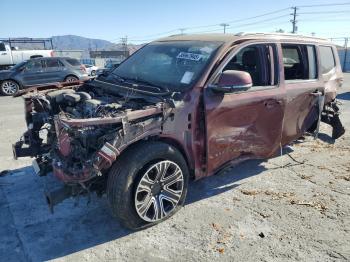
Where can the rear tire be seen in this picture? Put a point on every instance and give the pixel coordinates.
(70, 79)
(9, 87)
(134, 192)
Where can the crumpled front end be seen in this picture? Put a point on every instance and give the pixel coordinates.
(86, 150)
(77, 158)
(78, 134)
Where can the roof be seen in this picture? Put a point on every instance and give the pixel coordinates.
(230, 38)
(53, 57)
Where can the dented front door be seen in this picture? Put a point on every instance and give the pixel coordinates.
(245, 124)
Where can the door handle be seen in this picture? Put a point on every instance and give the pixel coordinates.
(271, 103)
(316, 93)
(3, 53)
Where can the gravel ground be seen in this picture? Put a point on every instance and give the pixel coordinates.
(275, 210)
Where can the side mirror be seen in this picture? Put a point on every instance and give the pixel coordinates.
(231, 81)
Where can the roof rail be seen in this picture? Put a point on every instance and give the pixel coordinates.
(28, 40)
(279, 34)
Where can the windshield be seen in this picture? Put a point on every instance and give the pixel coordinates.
(175, 65)
(19, 65)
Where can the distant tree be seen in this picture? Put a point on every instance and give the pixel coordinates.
(280, 31)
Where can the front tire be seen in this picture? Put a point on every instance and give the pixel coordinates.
(9, 87)
(147, 184)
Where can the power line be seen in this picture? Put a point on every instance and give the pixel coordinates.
(261, 21)
(239, 20)
(326, 20)
(322, 5)
(257, 16)
(212, 25)
(324, 12)
(246, 25)
(294, 21)
(231, 27)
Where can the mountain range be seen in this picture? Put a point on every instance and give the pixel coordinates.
(74, 42)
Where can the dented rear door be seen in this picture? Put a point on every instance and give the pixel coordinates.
(303, 89)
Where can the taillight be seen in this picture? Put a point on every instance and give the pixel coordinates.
(52, 53)
(82, 68)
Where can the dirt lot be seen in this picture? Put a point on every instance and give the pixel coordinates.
(275, 210)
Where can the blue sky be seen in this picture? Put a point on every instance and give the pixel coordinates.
(145, 20)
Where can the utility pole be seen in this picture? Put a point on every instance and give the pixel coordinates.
(224, 25)
(124, 42)
(346, 54)
(294, 21)
(182, 30)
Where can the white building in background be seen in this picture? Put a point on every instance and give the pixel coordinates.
(78, 54)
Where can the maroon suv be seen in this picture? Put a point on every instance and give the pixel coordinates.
(181, 107)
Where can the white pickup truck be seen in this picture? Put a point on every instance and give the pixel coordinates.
(11, 56)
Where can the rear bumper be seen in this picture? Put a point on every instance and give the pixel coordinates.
(84, 77)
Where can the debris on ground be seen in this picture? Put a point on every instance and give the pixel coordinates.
(316, 204)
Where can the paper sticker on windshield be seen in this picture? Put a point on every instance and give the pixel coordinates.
(207, 49)
(187, 77)
(189, 56)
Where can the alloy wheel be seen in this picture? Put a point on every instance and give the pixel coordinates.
(159, 191)
(70, 79)
(9, 87)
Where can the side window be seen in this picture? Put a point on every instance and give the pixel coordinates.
(311, 57)
(2, 47)
(73, 62)
(257, 61)
(60, 63)
(52, 63)
(292, 62)
(34, 65)
(326, 58)
(299, 62)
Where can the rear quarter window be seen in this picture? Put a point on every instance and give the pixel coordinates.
(73, 62)
(52, 63)
(326, 58)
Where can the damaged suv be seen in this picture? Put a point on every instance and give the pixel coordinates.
(183, 107)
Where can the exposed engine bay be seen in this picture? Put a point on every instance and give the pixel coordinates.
(78, 132)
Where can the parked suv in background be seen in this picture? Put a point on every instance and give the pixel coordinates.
(41, 71)
(180, 107)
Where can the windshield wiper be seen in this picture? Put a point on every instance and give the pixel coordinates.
(140, 82)
(119, 78)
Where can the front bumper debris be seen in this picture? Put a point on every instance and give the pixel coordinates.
(330, 115)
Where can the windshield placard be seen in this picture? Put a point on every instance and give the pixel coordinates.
(189, 56)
